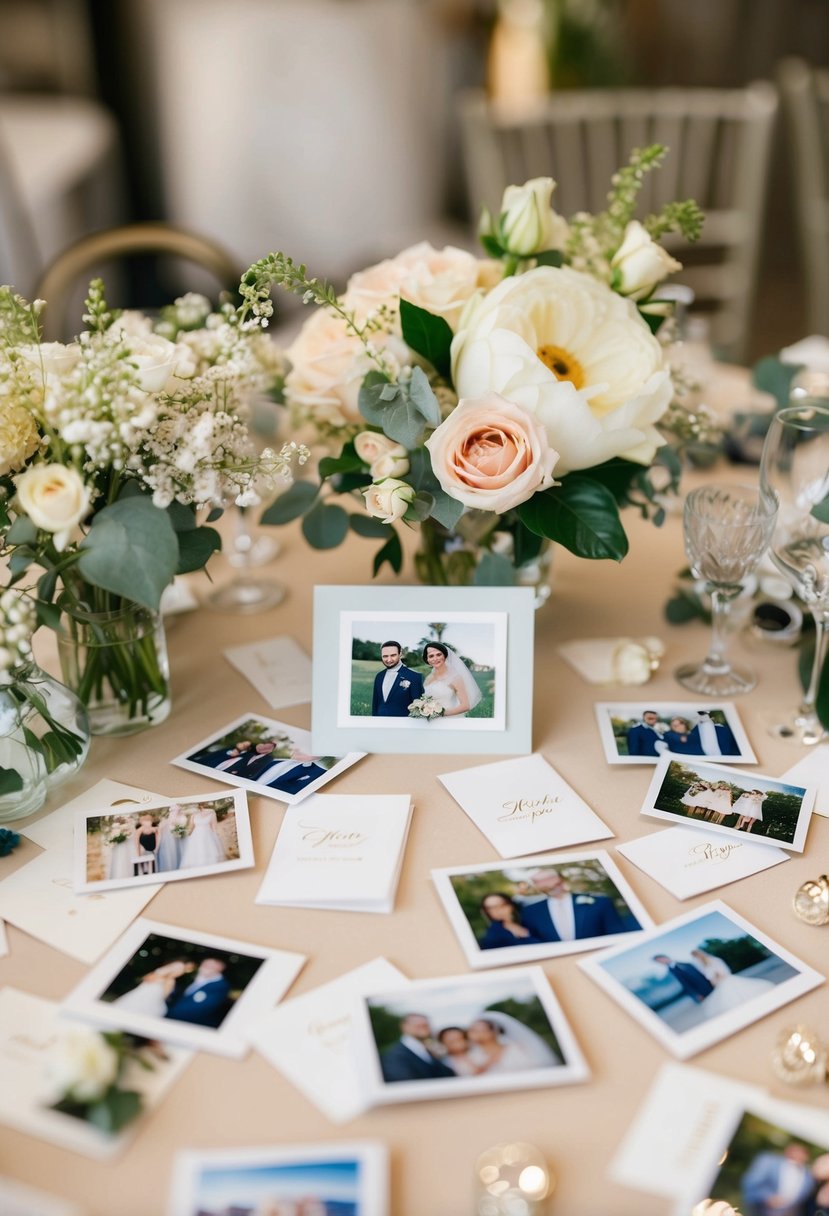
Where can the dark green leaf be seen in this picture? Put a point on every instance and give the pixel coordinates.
(344, 483)
(195, 548)
(617, 475)
(494, 570)
(527, 544)
(131, 550)
(10, 781)
(491, 245)
(215, 514)
(446, 510)
(325, 526)
(22, 532)
(420, 507)
(47, 584)
(182, 518)
(20, 561)
(775, 377)
(580, 514)
(429, 335)
(550, 257)
(115, 1110)
(365, 525)
(685, 606)
(822, 699)
(821, 510)
(296, 500)
(347, 462)
(47, 614)
(391, 552)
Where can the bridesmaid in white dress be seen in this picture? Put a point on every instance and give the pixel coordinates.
(696, 798)
(120, 854)
(719, 802)
(169, 844)
(450, 681)
(150, 995)
(749, 809)
(203, 847)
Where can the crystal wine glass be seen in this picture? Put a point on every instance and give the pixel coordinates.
(795, 470)
(727, 531)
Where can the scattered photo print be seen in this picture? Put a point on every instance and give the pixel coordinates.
(641, 732)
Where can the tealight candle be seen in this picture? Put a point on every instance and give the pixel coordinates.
(512, 1179)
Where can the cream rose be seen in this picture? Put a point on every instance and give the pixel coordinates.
(384, 457)
(491, 454)
(439, 280)
(54, 357)
(388, 499)
(19, 437)
(640, 263)
(574, 354)
(527, 223)
(55, 498)
(81, 1065)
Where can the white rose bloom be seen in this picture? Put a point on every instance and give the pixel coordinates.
(155, 357)
(574, 353)
(632, 663)
(81, 1065)
(641, 263)
(55, 357)
(439, 280)
(528, 224)
(389, 499)
(55, 498)
(132, 324)
(384, 457)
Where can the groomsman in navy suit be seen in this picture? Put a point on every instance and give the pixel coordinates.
(712, 738)
(202, 1002)
(409, 1059)
(565, 917)
(396, 686)
(779, 1184)
(292, 776)
(696, 985)
(643, 738)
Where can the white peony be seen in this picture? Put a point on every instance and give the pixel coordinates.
(80, 1066)
(528, 224)
(55, 498)
(640, 263)
(576, 355)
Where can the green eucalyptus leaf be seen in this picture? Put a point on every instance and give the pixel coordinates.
(296, 500)
(420, 507)
(821, 510)
(47, 585)
(446, 509)
(325, 526)
(182, 518)
(22, 532)
(20, 561)
(366, 525)
(391, 552)
(580, 514)
(130, 550)
(10, 781)
(773, 376)
(549, 257)
(428, 335)
(47, 614)
(494, 570)
(423, 397)
(196, 547)
(215, 514)
(115, 1110)
(347, 462)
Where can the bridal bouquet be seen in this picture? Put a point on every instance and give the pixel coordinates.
(426, 707)
(85, 1070)
(494, 403)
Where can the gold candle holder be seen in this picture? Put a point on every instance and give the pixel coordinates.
(512, 1179)
(800, 1057)
(811, 901)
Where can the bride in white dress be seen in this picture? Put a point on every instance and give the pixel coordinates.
(150, 995)
(450, 681)
(502, 1044)
(203, 847)
(730, 991)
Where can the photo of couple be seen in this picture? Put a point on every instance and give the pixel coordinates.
(642, 733)
(178, 836)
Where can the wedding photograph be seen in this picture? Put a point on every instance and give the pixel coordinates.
(460, 1035)
(641, 732)
(265, 757)
(185, 987)
(731, 803)
(765, 1167)
(539, 908)
(162, 842)
(302, 1180)
(699, 978)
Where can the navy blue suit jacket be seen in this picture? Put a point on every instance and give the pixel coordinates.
(691, 979)
(211, 759)
(296, 778)
(642, 741)
(204, 1007)
(591, 920)
(400, 1064)
(497, 936)
(251, 765)
(691, 746)
(399, 699)
(725, 738)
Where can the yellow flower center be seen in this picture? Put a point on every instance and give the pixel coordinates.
(562, 364)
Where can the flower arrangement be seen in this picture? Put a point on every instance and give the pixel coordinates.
(496, 403)
(426, 707)
(85, 1070)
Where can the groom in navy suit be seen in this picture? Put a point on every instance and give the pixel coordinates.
(779, 1183)
(565, 917)
(409, 1058)
(396, 686)
(203, 1001)
(643, 738)
(693, 983)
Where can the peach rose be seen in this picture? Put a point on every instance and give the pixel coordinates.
(491, 454)
(439, 280)
(384, 457)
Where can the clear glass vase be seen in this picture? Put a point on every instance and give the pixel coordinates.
(116, 663)
(44, 738)
(481, 555)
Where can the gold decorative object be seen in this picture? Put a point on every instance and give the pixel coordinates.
(811, 901)
(512, 1179)
(800, 1057)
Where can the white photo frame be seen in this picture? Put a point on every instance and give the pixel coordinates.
(95, 852)
(271, 974)
(783, 822)
(621, 718)
(490, 627)
(320, 1170)
(199, 758)
(623, 968)
(590, 911)
(456, 997)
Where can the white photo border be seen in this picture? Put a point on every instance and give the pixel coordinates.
(604, 709)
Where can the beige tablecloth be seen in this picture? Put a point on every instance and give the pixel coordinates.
(433, 1145)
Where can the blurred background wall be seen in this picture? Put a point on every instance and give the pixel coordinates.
(329, 128)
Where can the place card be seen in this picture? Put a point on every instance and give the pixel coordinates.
(39, 897)
(19, 1200)
(688, 861)
(308, 1039)
(29, 1028)
(278, 668)
(524, 806)
(813, 770)
(340, 852)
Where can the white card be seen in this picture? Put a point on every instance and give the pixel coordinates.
(688, 861)
(308, 1039)
(813, 769)
(19, 1200)
(524, 806)
(39, 897)
(339, 851)
(29, 1026)
(278, 668)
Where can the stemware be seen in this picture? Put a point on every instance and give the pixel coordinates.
(727, 530)
(794, 468)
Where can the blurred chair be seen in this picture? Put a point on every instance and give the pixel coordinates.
(804, 94)
(719, 141)
(86, 256)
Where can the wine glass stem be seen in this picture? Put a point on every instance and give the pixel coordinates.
(243, 540)
(807, 708)
(716, 661)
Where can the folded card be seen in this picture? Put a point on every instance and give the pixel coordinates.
(30, 1032)
(39, 897)
(688, 861)
(524, 806)
(19, 1200)
(278, 668)
(813, 770)
(339, 851)
(308, 1039)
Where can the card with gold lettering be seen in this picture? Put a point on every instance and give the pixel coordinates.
(538, 908)
(339, 851)
(688, 861)
(524, 806)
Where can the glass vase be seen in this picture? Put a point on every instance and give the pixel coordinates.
(116, 663)
(44, 738)
(481, 555)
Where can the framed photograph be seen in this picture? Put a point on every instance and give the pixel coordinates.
(162, 841)
(699, 978)
(641, 732)
(538, 908)
(464, 1034)
(317, 1179)
(730, 803)
(441, 670)
(265, 757)
(180, 986)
